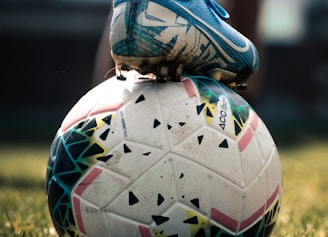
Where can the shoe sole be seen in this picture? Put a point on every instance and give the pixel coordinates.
(163, 70)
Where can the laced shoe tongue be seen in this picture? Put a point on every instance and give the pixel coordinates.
(222, 13)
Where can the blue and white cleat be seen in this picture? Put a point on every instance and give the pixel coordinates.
(167, 37)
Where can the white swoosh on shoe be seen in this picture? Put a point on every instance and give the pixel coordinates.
(161, 17)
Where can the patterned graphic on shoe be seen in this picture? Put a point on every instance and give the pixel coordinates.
(166, 37)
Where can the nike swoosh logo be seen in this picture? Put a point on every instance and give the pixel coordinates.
(144, 20)
(157, 15)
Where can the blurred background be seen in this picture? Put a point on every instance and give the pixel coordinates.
(48, 47)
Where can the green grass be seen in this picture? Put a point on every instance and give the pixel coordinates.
(304, 209)
(23, 206)
(304, 212)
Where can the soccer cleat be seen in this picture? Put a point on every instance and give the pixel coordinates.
(167, 37)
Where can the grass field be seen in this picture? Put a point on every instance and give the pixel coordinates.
(304, 212)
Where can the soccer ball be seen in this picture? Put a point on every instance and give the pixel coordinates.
(142, 158)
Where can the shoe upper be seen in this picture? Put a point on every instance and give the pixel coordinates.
(190, 32)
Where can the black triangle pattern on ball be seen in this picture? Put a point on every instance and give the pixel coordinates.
(159, 219)
(200, 108)
(72, 153)
(104, 158)
(90, 133)
(76, 148)
(140, 99)
(160, 199)
(104, 135)
(95, 149)
(75, 136)
(156, 123)
(91, 124)
(193, 220)
(182, 124)
(209, 113)
(126, 149)
(195, 202)
(108, 119)
(200, 139)
(133, 199)
(224, 144)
